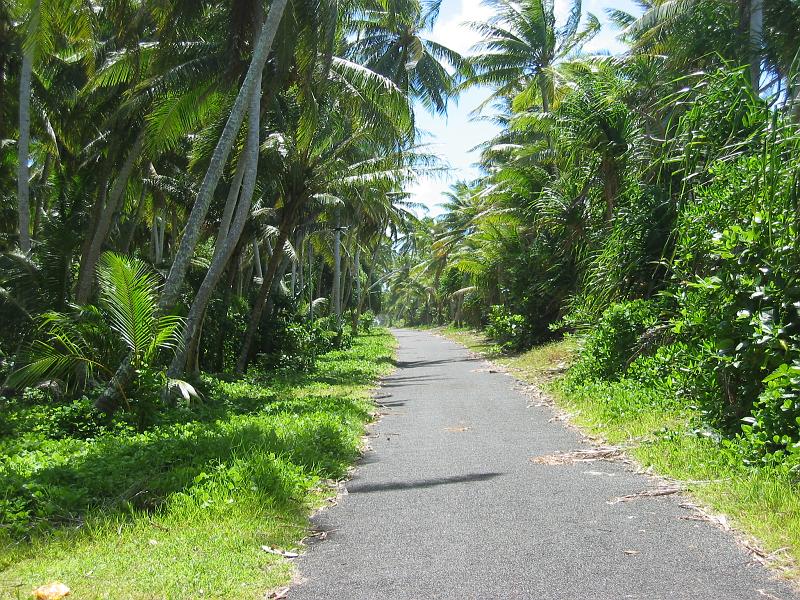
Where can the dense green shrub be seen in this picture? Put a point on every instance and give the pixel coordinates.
(223, 330)
(508, 330)
(366, 321)
(616, 340)
(730, 344)
(737, 289)
(772, 429)
(290, 342)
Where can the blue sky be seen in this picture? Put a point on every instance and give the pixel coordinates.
(452, 137)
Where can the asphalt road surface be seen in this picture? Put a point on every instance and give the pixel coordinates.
(448, 504)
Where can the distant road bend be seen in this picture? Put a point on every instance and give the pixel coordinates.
(448, 504)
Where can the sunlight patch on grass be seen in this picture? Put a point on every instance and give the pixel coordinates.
(194, 502)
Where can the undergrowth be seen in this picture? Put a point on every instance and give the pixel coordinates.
(182, 509)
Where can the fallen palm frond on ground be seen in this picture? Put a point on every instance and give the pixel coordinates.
(666, 490)
(608, 453)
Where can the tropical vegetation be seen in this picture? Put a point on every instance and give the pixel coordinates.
(645, 204)
(202, 209)
(196, 199)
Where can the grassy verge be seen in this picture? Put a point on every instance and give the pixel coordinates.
(182, 510)
(762, 502)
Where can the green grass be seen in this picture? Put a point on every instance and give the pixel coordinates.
(761, 502)
(182, 510)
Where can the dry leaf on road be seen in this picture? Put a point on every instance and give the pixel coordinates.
(588, 455)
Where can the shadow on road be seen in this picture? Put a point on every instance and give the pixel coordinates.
(401, 381)
(411, 364)
(420, 483)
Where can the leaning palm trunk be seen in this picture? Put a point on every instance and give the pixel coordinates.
(264, 291)
(225, 246)
(94, 217)
(108, 401)
(269, 305)
(230, 203)
(357, 270)
(134, 221)
(88, 266)
(23, 169)
(194, 224)
(259, 272)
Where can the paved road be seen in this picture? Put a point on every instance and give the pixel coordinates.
(439, 511)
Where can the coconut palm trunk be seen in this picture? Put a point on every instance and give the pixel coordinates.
(97, 210)
(358, 303)
(194, 224)
(263, 293)
(337, 275)
(257, 259)
(42, 196)
(134, 221)
(225, 245)
(756, 32)
(230, 204)
(310, 281)
(83, 288)
(293, 285)
(544, 89)
(108, 401)
(23, 152)
(301, 278)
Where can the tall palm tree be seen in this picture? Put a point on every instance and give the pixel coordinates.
(390, 39)
(522, 43)
(694, 34)
(45, 21)
(233, 223)
(325, 150)
(237, 114)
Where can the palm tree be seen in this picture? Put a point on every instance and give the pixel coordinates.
(326, 156)
(692, 35)
(194, 224)
(129, 309)
(390, 40)
(104, 221)
(522, 43)
(231, 227)
(237, 114)
(44, 21)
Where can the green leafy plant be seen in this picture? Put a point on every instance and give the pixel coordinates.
(507, 329)
(615, 341)
(75, 349)
(129, 296)
(366, 321)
